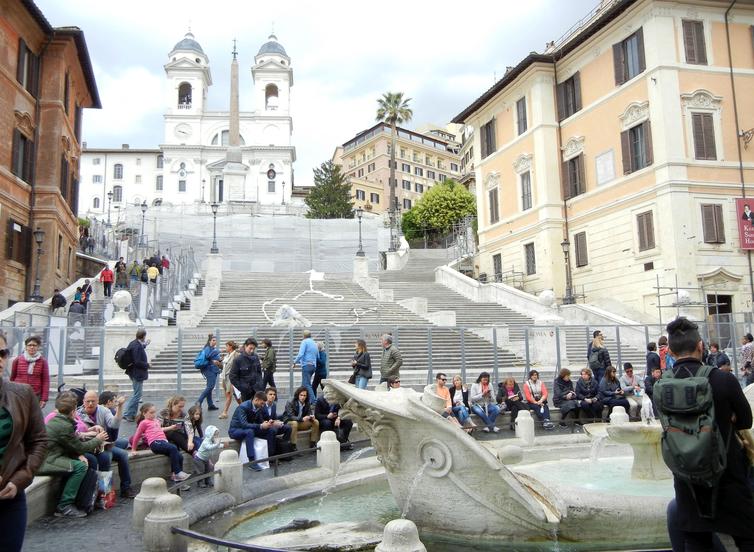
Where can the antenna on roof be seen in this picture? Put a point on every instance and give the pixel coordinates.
(235, 52)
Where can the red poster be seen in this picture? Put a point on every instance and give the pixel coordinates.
(745, 218)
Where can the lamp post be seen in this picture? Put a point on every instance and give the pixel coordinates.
(568, 299)
(214, 248)
(36, 295)
(283, 192)
(143, 215)
(109, 201)
(204, 181)
(359, 214)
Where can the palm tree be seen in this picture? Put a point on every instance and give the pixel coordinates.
(393, 109)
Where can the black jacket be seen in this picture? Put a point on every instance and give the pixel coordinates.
(653, 361)
(735, 502)
(502, 393)
(587, 389)
(363, 365)
(560, 388)
(246, 375)
(322, 408)
(291, 411)
(465, 394)
(58, 301)
(139, 368)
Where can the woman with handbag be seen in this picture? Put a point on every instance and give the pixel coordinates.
(362, 365)
(173, 420)
(231, 352)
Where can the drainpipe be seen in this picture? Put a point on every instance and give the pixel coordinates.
(37, 117)
(738, 137)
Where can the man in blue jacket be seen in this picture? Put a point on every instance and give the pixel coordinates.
(137, 371)
(307, 358)
(248, 422)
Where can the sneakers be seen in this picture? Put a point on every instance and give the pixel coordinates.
(496, 429)
(180, 476)
(129, 418)
(127, 493)
(70, 511)
(213, 407)
(486, 429)
(548, 425)
(255, 467)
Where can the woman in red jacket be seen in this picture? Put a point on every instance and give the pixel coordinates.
(32, 369)
(107, 277)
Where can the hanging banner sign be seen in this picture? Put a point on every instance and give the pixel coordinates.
(745, 218)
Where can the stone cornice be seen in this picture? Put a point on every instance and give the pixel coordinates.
(635, 113)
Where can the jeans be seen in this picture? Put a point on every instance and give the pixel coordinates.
(492, 412)
(268, 379)
(108, 288)
(133, 403)
(210, 374)
(361, 382)
(685, 541)
(461, 413)
(120, 456)
(307, 372)
(248, 435)
(540, 411)
(171, 451)
(13, 523)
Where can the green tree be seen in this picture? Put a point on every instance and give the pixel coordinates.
(331, 195)
(438, 209)
(393, 109)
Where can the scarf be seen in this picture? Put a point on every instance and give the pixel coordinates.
(535, 388)
(31, 360)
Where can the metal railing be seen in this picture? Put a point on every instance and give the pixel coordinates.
(233, 545)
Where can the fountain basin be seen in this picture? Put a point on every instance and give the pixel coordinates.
(644, 438)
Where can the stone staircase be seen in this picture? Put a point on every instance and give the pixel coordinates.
(577, 341)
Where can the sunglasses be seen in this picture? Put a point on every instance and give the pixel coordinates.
(396, 381)
(442, 379)
(4, 353)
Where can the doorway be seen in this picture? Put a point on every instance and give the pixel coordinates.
(720, 319)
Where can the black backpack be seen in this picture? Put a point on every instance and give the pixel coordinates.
(123, 358)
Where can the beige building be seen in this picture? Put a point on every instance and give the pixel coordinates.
(422, 159)
(628, 139)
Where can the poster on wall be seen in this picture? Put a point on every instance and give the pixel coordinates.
(745, 217)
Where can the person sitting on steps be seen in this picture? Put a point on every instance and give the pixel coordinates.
(535, 393)
(611, 394)
(299, 416)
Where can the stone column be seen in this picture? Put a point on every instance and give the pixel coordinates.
(525, 427)
(400, 535)
(150, 489)
(230, 479)
(328, 456)
(167, 512)
(618, 415)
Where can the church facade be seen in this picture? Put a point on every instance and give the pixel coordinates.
(197, 161)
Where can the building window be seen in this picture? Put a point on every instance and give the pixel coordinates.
(712, 223)
(158, 183)
(138, 161)
(23, 157)
(97, 178)
(636, 146)
(703, 128)
(96, 161)
(441, 177)
(271, 97)
(117, 194)
(70, 258)
(184, 95)
(361, 195)
(63, 176)
(405, 167)
(370, 167)
(271, 186)
(526, 191)
(27, 69)
(160, 161)
(487, 136)
(628, 57)
(521, 115)
(454, 167)
(418, 171)
(693, 42)
(573, 174)
(360, 173)
(118, 171)
(19, 242)
(374, 198)
(66, 95)
(60, 250)
(419, 188)
(137, 179)
(79, 117)
(95, 203)
(494, 207)
(181, 185)
(406, 185)
(582, 258)
(406, 203)
(497, 267)
(531, 260)
(569, 97)
(431, 174)
(645, 227)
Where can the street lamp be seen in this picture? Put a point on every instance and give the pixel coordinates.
(204, 181)
(359, 214)
(36, 295)
(109, 201)
(283, 192)
(568, 299)
(214, 248)
(143, 215)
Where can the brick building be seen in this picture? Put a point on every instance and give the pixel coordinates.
(46, 80)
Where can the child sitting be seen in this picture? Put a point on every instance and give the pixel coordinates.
(203, 455)
(149, 427)
(194, 427)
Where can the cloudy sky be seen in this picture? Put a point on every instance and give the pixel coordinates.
(344, 55)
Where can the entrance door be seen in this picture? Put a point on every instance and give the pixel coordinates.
(720, 319)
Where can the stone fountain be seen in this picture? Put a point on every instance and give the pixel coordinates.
(448, 482)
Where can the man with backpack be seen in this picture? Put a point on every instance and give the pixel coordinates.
(137, 369)
(701, 408)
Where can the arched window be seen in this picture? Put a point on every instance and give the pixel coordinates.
(95, 204)
(222, 139)
(271, 97)
(117, 194)
(160, 161)
(118, 171)
(184, 95)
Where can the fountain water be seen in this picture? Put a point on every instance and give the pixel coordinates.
(414, 485)
(355, 455)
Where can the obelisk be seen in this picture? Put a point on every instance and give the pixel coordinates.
(234, 172)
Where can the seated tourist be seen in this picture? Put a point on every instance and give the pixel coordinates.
(248, 423)
(150, 428)
(564, 396)
(299, 416)
(483, 403)
(329, 420)
(65, 453)
(115, 405)
(393, 382)
(649, 385)
(631, 387)
(509, 395)
(587, 391)
(174, 421)
(269, 413)
(459, 398)
(611, 394)
(94, 414)
(535, 395)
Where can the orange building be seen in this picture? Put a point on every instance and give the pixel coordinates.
(626, 142)
(46, 80)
